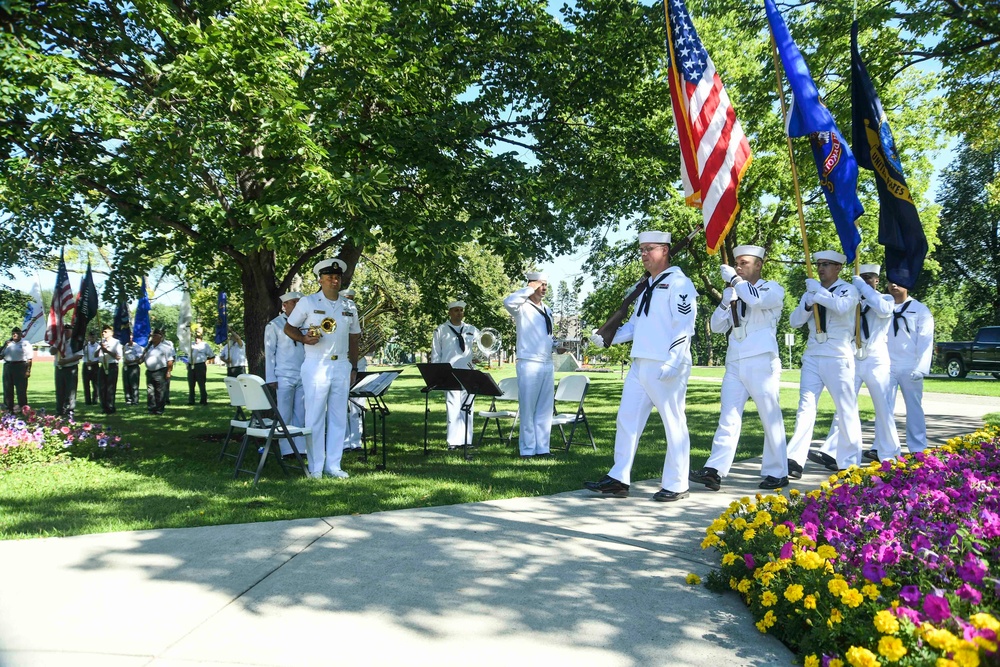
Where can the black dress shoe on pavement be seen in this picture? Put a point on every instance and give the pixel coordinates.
(707, 476)
(824, 460)
(608, 486)
(772, 482)
(794, 470)
(665, 496)
(871, 455)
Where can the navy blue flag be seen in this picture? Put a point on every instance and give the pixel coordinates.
(838, 170)
(222, 326)
(141, 326)
(86, 310)
(122, 329)
(899, 228)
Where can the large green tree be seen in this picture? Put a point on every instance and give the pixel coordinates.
(246, 139)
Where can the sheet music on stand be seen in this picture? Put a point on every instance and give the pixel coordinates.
(372, 386)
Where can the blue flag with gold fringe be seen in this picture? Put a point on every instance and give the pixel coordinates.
(899, 228)
(807, 116)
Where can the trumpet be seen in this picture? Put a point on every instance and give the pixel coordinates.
(488, 342)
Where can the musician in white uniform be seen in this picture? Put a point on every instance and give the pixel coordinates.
(911, 344)
(535, 372)
(453, 344)
(871, 366)
(661, 328)
(827, 362)
(753, 369)
(283, 359)
(327, 324)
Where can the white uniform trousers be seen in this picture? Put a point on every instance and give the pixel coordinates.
(535, 396)
(326, 385)
(291, 407)
(757, 377)
(874, 373)
(837, 375)
(459, 428)
(352, 440)
(643, 391)
(913, 395)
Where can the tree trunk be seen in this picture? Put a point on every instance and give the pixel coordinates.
(260, 305)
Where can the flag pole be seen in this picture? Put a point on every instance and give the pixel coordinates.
(795, 172)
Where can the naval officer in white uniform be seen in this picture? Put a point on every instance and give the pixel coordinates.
(911, 344)
(327, 324)
(453, 344)
(661, 328)
(535, 372)
(283, 359)
(827, 362)
(753, 369)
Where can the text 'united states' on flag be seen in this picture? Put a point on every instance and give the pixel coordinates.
(714, 151)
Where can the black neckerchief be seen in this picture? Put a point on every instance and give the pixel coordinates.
(647, 296)
(897, 315)
(865, 331)
(548, 320)
(458, 335)
(822, 310)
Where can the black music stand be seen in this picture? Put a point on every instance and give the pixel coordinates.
(372, 388)
(475, 383)
(437, 377)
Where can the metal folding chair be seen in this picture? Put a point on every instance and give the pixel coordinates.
(260, 401)
(572, 388)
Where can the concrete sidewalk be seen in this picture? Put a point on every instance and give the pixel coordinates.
(566, 579)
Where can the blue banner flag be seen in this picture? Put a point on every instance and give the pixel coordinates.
(123, 332)
(141, 326)
(838, 170)
(899, 228)
(222, 325)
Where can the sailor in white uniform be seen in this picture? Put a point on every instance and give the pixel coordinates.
(453, 344)
(911, 344)
(753, 369)
(827, 362)
(535, 372)
(283, 371)
(327, 324)
(871, 366)
(661, 328)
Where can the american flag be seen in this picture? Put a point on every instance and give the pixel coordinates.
(714, 151)
(57, 333)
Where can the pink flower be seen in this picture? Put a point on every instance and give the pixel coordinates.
(787, 550)
(967, 592)
(87, 426)
(64, 430)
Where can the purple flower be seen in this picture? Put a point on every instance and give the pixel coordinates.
(787, 550)
(967, 592)
(750, 562)
(873, 572)
(936, 607)
(909, 594)
(972, 571)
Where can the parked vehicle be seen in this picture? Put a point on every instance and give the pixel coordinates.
(982, 354)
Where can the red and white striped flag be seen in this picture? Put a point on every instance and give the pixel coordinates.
(58, 332)
(714, 151)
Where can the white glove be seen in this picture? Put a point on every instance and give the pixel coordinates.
(916, 376)
(728, 273)
(859, 282)
(596, 340)
(728, 296)
(813, 285)
(668, 372)
(808, 299)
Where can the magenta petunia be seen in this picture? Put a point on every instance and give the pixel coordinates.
(787, 550)
(972, 570)
(749, 561)
(937, 608)
(967, 592)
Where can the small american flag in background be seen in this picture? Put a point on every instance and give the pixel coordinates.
(63, 303)
(714, 151)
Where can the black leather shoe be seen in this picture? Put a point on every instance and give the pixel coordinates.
(608, 486)
(772, 482)
(794, 470)
(870, 455)
(707, 476)
(665, 496)
(824, 460)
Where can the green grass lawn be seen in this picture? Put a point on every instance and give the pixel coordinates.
(172, 477)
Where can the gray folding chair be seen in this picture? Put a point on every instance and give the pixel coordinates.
(572, 388)
(260, 401)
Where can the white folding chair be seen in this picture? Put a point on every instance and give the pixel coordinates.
(572, 388)
(260, 401)
(239, 420)
(509, 388)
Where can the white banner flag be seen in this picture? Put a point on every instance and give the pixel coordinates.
(33, 327)
(184, 325)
